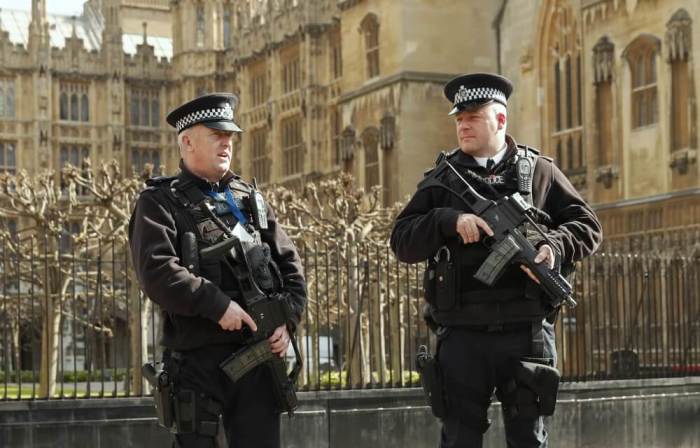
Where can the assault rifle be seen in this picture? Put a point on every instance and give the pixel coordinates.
(269, 311)
(508, 244)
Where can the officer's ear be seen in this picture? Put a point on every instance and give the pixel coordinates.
(501, 115)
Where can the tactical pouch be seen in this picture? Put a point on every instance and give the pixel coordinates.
(431, 379)
(185, 412)
(440, 281)
(532, 391)
(162, 393)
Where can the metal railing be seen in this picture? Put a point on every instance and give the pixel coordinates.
(71, 312)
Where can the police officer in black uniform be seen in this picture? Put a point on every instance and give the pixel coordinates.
(486, 335)
(204, 320)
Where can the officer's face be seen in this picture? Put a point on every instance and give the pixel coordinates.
(208, 152)
(477, 130)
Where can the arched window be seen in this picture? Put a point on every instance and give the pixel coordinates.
(369, 27)
(641, 56)
(84, 108)
(370, 142)
(10, 106)
(562, 64)
(679, 39)
(155, 112)
(63, 106)
(134, 109)
(74, 107)
(145, 111)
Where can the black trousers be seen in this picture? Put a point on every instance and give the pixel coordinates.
(474, 364)
(248, 410)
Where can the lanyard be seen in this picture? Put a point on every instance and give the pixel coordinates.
(231, 204)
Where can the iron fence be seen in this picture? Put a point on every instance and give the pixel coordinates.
(73, 323)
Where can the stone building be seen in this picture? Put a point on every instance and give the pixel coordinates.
(606, 87)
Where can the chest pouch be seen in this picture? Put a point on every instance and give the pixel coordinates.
(444, 280)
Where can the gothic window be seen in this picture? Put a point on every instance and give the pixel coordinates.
(84, 108)
(603, 61)
(258, 86)
(10, 99)
(140, 157)
(370, 141)
(77, 156)
(291, 74)
(336, 55)
(74, 104)
(7, 98)
(260, 156)
(63, 100)
(199, 31)
(292, 147)
(144, 109)
(370, 29)
(563, 95)
(336, 136)
(155, 111)
(641, 56)
(8, 162)
(679, 41)
(74, 107)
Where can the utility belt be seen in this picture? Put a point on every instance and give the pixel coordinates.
(531, 391)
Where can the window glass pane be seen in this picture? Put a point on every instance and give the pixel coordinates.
(84, 108)
(144, 111)
(10, 155)
(155, 112)
(74, 107)
(63, 115)
(10, 100)
(134, 110)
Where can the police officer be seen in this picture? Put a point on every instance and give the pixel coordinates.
(204, 320)
(486, 334)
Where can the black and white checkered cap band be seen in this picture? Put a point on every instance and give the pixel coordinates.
(465, 95)
(220, 113)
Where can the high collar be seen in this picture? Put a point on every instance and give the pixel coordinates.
(187, 175)
(470, 162)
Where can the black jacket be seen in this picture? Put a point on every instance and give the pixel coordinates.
(429, 220)
(192, 305)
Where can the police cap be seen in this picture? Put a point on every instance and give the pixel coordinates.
(214, 110)
(468, 92)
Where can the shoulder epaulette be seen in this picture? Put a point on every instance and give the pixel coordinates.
(158, 180)
(441, 156)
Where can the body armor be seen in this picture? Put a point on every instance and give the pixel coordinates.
(455, 296)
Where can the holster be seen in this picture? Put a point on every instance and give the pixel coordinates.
(431, 379)
(162, 393)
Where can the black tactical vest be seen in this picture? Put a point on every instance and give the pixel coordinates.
(188, 202)
(457, 298)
